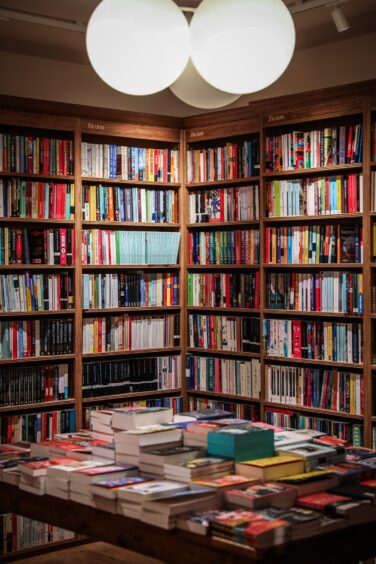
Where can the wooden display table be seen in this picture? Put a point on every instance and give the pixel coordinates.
(347, 545)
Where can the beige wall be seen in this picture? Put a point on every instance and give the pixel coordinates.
(342, 62)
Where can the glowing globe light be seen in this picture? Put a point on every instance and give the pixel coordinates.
(138, 47)
(241, 46)
(192, 89)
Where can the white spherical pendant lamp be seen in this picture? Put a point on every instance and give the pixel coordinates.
(241, 46)
(192, 89)
(138, 47)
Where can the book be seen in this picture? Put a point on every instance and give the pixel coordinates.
(313, 454)
(150, 490)
(109, 488)
(241, 442)
(338, 505)
(271, 468)
(197, 522)
(199, 468)
(258, 496)
(226, 482)
(303, 522)
(82, 478)
(314, 481)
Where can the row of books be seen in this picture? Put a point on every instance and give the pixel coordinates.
(314, 387)
(19, 533)
(335, 292)
(36, 155)
(373, 189)
(218, 289)
(314, 340)
(36, 427)
(316, 148)
(350, 432)
(128, 333)
(229, 162)
(36, 292)
(35, 337)
(36, 200)
(224, 375)
(240, 203)
(138, 289)
(129, 163)
(121, 203)
(102, 246)
(131, 375)
(225, 333)
(235, 246)
(315, 196)
(34, 246)
(35, 384)
(238, 409)
(314, 244)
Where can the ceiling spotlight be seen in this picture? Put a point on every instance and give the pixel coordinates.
(340, 20)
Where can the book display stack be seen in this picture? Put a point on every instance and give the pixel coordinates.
(222, 261)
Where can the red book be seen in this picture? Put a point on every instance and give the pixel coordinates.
(221, 205)
(297, 339)
(267, 245)
(19, 246)
(63, 247)
(100, 344)
(350, 136)
(212, 332)
(14, 339)
(321, 501)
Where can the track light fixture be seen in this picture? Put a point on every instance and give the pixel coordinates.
(340, 19)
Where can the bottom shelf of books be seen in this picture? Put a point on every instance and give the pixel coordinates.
(202, 482)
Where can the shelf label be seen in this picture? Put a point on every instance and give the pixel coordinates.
(279, 117)
(197, 133)
(97, 126)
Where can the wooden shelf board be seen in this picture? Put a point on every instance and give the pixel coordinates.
(223, 353)
(47, 358)
(35, 267)
(116, 181)
(319, 170)
(130, 267)
(223, 224)
(140, 352)
(148, 394)
(310, 313)
(130, 224)
(222, 266)
(223, 310)
(194, 185)
(222, 395)
(269, 359)
(36, 177)
(44, 548)
(146, 309)
(39, 313)
(325, 266)
(47, 221)
(40, 405)
(309, 218)
(315, 410)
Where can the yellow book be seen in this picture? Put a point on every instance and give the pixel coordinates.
(271, 468)
(110, 196)
(92, 203)
(352, 393)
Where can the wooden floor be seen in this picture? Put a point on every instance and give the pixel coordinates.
(93, 553)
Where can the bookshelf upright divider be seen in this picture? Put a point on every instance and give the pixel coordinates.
(78, 277)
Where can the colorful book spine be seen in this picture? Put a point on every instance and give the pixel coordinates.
(228, 162)
(129, 333)
(313, 149)
(36, 292)
(103, 246)
(324, 291)
(224, 247)
(224, 333)
(36, 200)
(35, 337)
(36, 427)
(314, 244)
(227, 290)
(138, 289)
(241, 203)
(131, 376)
(133, 204)
(314, 340)
(37, 246)
(36, 155)
(315, 196)
(129, 163)
(36, 384)
(224, 376)
(314, 387)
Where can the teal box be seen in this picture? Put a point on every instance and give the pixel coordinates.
(241, 443)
